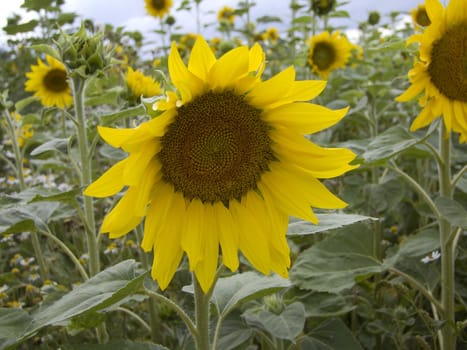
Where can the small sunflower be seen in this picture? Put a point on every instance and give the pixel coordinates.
(420, 16)
(328, 52)
(440, 72)
(226, 14)
(142, 85)
(272, 33)
(224, 165)
(49, 83)
(158, 8)
(322, 7)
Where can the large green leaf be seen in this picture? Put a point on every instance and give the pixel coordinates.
(21, 28)
(234, 333)
(123, 344)
(57, 144)
(232, 291)
(326, 222)
(386, 145)
(320, 304)
(13, 322)
(452, 211)
(335, 263)
(105, 289)
(330, 335)
(286, 325)
(27, 218)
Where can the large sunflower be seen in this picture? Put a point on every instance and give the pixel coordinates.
(225, 164)
(440, 73)
(328, 52)
(49, 83)
(158, 8)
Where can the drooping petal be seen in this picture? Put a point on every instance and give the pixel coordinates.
(109, 183)
(228, 236)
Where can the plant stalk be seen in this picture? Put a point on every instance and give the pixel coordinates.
(448, 339)
(201, 316)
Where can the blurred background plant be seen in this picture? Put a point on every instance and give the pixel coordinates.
(366, 278)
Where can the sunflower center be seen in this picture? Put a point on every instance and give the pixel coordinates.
(216, 148)
(323, 55)
(422, 18)
(55, 80)
(158, 4)
(448, 66)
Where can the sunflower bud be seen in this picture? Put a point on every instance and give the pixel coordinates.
(322, 7)
(374, 17)
(82, 54)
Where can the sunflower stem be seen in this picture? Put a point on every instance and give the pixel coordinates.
(36, 245)
(448, 339)
(85, 176)
(201, 316)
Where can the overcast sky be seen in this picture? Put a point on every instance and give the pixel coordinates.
(132, 14)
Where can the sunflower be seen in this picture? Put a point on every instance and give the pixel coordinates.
(440, 72)
(226, 14)
(420, 16)
(328, 52)
(272, 33)
(49, 83)
(225, 164)
(158, 8)
(142, 85)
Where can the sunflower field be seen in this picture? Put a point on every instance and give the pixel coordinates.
(273, 183)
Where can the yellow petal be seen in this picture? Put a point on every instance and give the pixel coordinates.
(229, 68)
(201, 59)
(305, 118)
(109, 183)
(228, 236)
(305, 90)
(205, 270)
(253, 241)
(137, 163)
(192, 235)
(271, 91)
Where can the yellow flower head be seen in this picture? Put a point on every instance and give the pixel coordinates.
(328, 52)
(49, 83)
(158, 8)
(420, 16)
(142, 85)
(440, 71)
(223, 165)
(226, 14)
(272, 34)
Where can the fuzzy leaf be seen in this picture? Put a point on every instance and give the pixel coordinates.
(57, 144)
(452, 211)
(326, 222)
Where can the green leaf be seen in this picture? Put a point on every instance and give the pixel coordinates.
(326, 222)
(21, 28)
(105, 289)
(126, 113)
(109, 97)
(319, 304)
(68, 197)
(237, 289)
(47, 49)
(57, 144)
(268, 19)
(36, 5)
(234, 333)
(123, 344)
(13, 322)
(388, 144)
(330, 335)
(26, 218)
(452, 211)
(21, 104)
(286, 325)
(336, 262)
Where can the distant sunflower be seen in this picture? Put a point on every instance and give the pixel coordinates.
(49, 83)
(225, 164)
(226, 14)
(142, 85)
(440, 72)
(420, 16)
(328, 52)
(158, 8)
(272, 33)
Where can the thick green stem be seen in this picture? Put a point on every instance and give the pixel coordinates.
(448, 340)
(201, 316)
(36, 245)
(79, 85)
(154, 321)
(86, 174)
